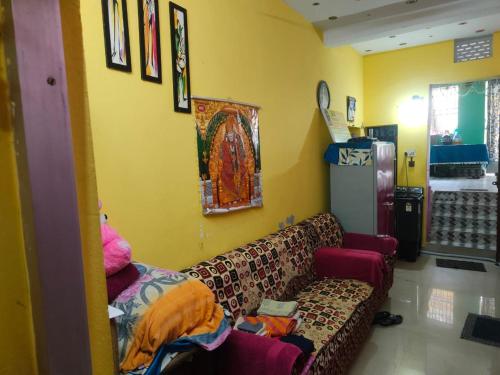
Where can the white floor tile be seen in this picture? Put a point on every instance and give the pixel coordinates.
(434, 303)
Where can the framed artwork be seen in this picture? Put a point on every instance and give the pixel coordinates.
(351, 108)
(116, 39)
(180, 58)
(149, 38)
(228, 155)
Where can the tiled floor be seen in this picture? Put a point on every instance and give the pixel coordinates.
(456, 184)
(434, 302)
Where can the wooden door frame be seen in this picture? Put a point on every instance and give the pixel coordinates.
(40, 115)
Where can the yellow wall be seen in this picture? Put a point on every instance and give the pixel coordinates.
(392, 78)
(96, 293)
(16, 326)
(257, 51)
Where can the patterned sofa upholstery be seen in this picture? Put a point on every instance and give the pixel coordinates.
(337, 313)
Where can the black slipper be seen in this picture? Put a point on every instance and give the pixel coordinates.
(391, 320)
(381, 315)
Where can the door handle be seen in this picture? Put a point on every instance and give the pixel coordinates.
(494, 183)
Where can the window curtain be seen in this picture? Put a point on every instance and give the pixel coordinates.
(493, 120)
(444, 109)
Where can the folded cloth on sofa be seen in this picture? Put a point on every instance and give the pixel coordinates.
(362, 265)
(117, 252)
(276, 326)
(246, 326)
(277, 308)
(247, 354)
(120, 281)
(185, 313)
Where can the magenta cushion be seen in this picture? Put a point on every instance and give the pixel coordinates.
(248, 354)
(383, 244)
(121, 280)
(362, 265)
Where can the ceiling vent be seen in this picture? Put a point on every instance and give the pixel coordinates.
(470, 49)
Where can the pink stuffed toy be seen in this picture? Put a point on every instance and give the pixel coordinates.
(117, 252)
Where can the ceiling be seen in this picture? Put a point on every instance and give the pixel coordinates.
(373, 26)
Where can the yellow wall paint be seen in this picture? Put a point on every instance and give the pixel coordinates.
(17, 355)
(257, 51)
(392, 78)
(96, 293)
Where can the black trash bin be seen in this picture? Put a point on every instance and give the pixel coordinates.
(409, 202)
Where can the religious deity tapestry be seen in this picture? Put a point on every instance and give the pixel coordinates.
(228, 155)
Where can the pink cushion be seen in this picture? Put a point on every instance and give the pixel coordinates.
(249, 354)
(120, 281)
(117, 253)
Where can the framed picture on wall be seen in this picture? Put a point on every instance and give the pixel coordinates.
(149, 39)
(116, 38)
(180, 58)
(351, 108)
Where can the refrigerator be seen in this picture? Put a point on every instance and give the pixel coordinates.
(362, 196)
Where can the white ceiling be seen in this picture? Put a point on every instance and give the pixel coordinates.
(373, 26)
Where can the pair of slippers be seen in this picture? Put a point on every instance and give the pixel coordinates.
(385, 319)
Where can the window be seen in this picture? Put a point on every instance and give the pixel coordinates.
(444, 117)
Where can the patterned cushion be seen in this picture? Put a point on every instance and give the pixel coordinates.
(275, 267)
(259, 270)
(221, 276)
(297, 261)
(336, 356)
(327, 229)
(326, 305)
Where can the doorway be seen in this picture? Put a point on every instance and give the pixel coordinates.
(463, 146)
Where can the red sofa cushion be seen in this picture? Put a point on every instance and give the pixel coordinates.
(383, 244)
(362, 265)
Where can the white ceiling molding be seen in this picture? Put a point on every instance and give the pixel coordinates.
(381, 25)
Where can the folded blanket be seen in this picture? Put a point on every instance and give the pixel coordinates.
(187, 313)
(277, 308)
(120, 281)
(276, 326)
(363, 265)
(117, 252)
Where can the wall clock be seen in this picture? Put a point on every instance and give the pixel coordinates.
(323, 95)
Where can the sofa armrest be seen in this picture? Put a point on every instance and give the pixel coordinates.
(385, 245)
(244, 353)
(341, 263)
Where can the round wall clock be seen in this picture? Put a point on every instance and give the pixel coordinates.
(323, 95)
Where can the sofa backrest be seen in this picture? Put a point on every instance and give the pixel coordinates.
(327, 231)
(276, 267)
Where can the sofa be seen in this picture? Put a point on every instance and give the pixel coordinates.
(337, 310)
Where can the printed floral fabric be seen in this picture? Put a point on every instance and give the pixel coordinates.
(326, 305)
(355, 156)
(135, 300)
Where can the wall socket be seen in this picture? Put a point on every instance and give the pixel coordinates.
(410, 153)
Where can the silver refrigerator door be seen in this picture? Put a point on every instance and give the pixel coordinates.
(352, 197)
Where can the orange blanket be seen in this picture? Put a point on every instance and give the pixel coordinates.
(276, 326)
(186, 310)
